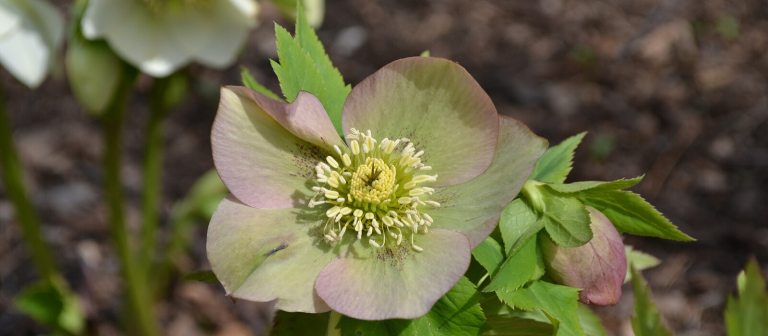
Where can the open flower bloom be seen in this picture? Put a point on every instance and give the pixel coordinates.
(597, 267)
(377, 225)
(30, 32)
(160, 36)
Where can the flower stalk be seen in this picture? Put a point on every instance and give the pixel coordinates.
(139, 305)
(152, 169)
(13, 180)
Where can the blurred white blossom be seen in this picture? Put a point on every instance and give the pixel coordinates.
(160, 36)
(30, 32)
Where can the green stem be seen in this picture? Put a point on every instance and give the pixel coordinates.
(333, 320)
(139, 305)
(13, 180)
(153, 164)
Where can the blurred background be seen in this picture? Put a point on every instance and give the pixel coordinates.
(674, 89)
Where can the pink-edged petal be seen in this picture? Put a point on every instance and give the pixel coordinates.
(387, 283)
(474, 207)
(267, 254)
(261, 163)
(305, 117)
(435, 103)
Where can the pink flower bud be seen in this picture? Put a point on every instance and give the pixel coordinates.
(597, 267)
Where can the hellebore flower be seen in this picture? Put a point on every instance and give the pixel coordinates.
(597, 267)
(376, 226)
(30, 32)
(160, 36)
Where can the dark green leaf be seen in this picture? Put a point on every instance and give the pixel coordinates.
(630, 213)
(456, 313)
(518, 269)
(516, 326)
(518, 223)
(299, 324)
(53, 305)
(566, 220)
(559, 303)
(254, 85)
(201, 276)
(304, 66)
(556, 163)
(748, 314)
(646, 321)
(489, 254)
(595, 185)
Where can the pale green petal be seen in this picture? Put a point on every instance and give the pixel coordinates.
(140, 38)
(435, 103)
(387, 283)
(30, 35)
(267, 254)
(260, 162)
(228, 33)
(474, 207)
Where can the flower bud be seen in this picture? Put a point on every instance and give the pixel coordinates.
(597, 267)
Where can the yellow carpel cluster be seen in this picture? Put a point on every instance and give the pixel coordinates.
(375, 189)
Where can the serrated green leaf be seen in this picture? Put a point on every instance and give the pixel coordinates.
(52, 304)
(748, 314)
(557, 161)
(566, 220)
(630, 213)
(518, 223)
(639, 260)
(646, 320)
(456, 313)
(489, 254)
(590, 322)
(595, 185)
(254, 85)
(518, 269)
(559, 303)
(304, 66)
(516, 326)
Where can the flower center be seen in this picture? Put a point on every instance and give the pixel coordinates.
(374, 188)
(373, 182)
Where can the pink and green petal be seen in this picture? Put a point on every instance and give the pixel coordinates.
(474, 207)
(387, 283)
(263, 164)
(267, 254)
(435, 103)
(305, 117)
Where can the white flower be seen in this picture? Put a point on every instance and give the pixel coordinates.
(160, 36)
(30, 32)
